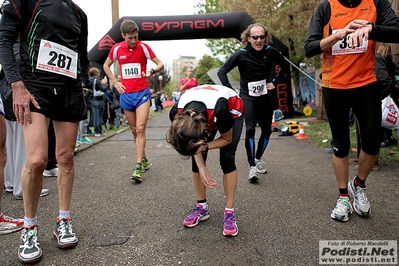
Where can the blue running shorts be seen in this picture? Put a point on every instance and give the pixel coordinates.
(132, 100)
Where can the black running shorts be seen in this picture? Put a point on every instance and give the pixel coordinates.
(60, 104)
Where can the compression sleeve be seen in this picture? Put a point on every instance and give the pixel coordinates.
(226, 68)
(386, 28)
(9, 28)
(314, 35)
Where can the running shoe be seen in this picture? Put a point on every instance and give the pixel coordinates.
(260, 166)
(360, 201)
(29, 250)
(197, 215)
(342, 209)
(85, 140)
(66, 237)
(51, 172)
(43, 193)
(88, 141)
(137, 173)
(230, 227)
(9, 225)
(253, 174)
(145, 164)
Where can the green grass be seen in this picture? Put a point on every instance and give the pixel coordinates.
(320, 135)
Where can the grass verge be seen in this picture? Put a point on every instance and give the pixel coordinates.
(320, 135)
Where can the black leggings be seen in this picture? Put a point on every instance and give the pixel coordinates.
(257, 109)
(366, 105)
(227, 154)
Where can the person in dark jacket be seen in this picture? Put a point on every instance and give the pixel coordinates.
(385, 70)
(255, 61)
(99, 87)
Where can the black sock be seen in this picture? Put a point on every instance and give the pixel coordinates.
(201, 201)
(343, 192)
(359, 183)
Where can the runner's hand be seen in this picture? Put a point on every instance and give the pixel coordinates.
(206, 178)
(22, 98)
(361, 32)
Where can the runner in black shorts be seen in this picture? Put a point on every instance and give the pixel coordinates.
(200, 113)
(46, 85)
(255, 62)
(345, 34)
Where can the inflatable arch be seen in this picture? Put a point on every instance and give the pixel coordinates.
(201, 26)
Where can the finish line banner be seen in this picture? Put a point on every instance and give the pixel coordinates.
(358, 252)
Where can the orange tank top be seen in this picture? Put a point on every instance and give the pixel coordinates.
(345, 68)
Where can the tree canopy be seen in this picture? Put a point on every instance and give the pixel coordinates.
(286, 19)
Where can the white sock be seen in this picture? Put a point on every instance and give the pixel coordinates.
(64, 214)
(229, 209)
(203, 205)
(28, 222)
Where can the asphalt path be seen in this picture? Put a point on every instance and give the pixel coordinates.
(281, 219)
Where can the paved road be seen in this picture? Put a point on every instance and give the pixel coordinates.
(281, 219)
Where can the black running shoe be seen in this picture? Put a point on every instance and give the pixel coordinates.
(66, 237)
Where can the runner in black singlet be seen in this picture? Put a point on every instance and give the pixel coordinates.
(46, 85)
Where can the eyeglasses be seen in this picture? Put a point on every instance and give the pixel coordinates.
(258, 36)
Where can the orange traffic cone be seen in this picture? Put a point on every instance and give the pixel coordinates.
(301, 134)
(274, 124)
(312, 102)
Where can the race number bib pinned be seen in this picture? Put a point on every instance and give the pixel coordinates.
(131, 71)
(257, 88)
(58, 59)
(342, 46)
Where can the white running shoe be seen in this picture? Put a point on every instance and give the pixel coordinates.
(51, 172)
(29, 250)
(9, 225)
(43, 193)
(342, 209)
(260, 165)
(253, 174)
(360, 201)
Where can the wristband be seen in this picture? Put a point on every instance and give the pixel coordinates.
(372, 25)
(206, 147)
(153, 71)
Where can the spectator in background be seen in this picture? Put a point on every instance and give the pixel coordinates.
(99, 87)
(118, 111)
(159, 98)
(385, 70)
(176, 95)
(188, 82)
(7, 224)
(51, 167)
(84, 129)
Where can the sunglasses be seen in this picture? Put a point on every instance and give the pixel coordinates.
(258, 36)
